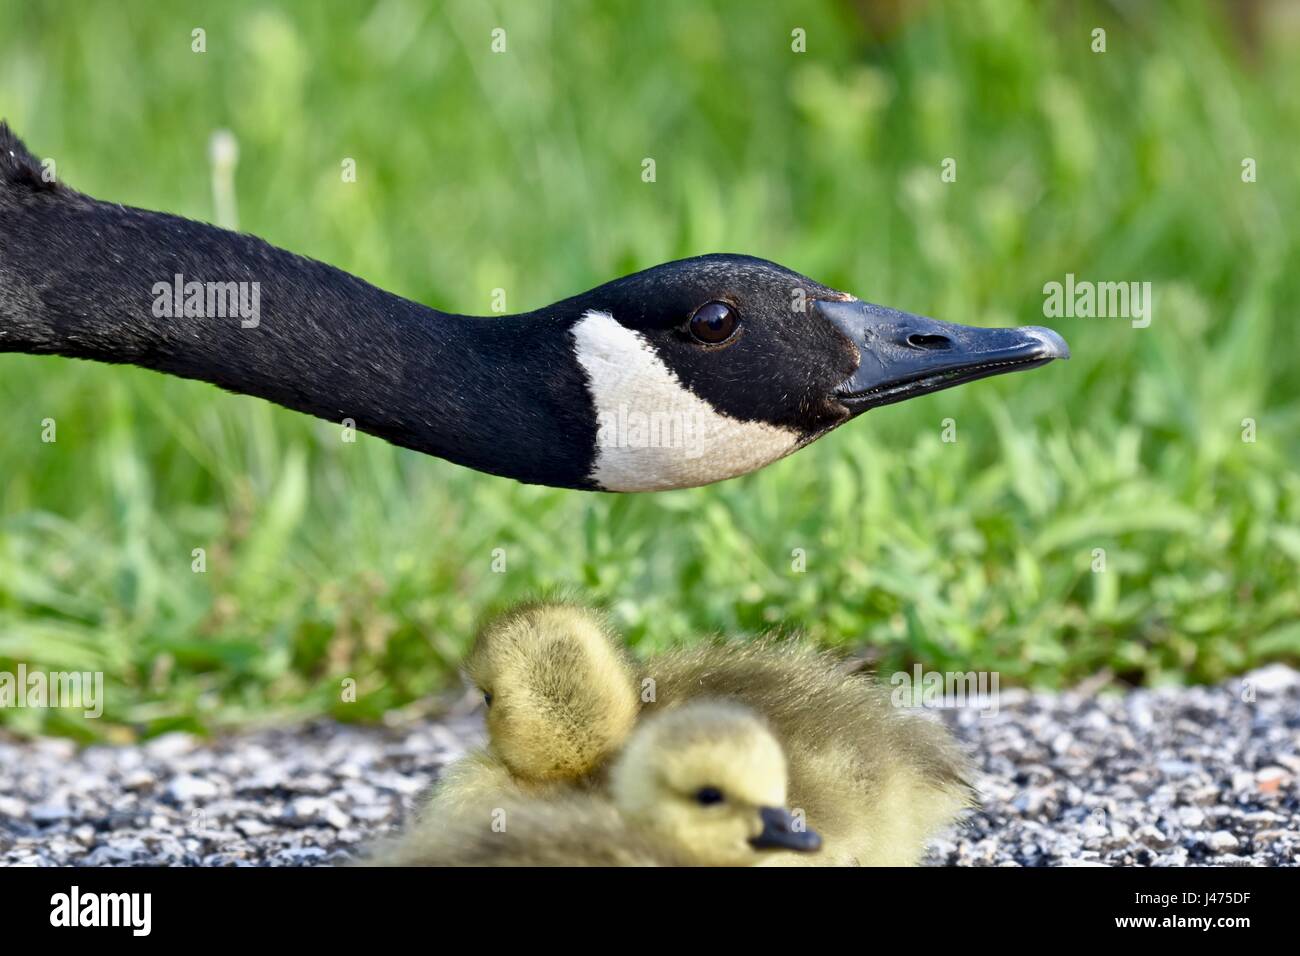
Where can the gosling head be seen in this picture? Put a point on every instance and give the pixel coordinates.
(709, 780)
(561, 696)
(707, 368)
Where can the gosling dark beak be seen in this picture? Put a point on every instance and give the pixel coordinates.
(903, 356)
(779, 833)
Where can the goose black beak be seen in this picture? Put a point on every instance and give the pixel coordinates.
(903, 356)
(779, 833)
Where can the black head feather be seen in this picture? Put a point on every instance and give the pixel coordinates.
(18, 167)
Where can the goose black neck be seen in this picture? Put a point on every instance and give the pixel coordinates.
(94, 280)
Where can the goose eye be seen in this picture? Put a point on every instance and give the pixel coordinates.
(714, 323)
(707, 796)
(487, 697)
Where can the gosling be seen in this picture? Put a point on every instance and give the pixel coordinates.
(877, 781)
(560, 697)
(703, 784)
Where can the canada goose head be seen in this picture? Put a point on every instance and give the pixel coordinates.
(683, 374)
(708, 368)
(560, 694)
(709, 780)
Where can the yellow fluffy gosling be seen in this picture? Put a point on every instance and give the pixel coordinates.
(703, 784)
(560, 701)
(877, 781)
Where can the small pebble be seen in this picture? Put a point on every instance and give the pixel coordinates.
(187, 789)
(1222, 841)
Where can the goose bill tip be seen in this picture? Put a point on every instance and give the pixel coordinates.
(781, 833)
(903, 356)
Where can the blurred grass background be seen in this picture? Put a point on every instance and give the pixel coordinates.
(328, 561)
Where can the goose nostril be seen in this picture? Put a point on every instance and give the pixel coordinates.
(916, 340)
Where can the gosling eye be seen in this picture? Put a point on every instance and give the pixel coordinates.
(707, 796)
(487, 698)
(714, 323)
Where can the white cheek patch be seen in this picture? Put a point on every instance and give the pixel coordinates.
(653, 432)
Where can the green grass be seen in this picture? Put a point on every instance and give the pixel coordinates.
(328, 561)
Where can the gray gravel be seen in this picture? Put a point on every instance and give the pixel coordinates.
(1166, 777)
